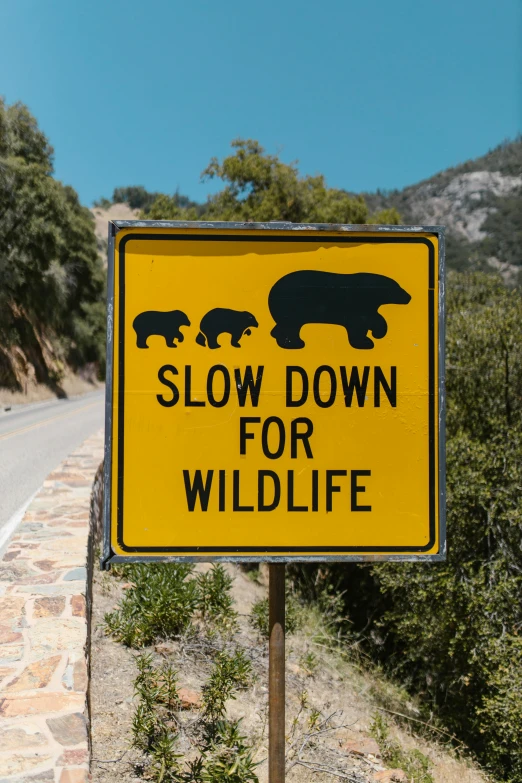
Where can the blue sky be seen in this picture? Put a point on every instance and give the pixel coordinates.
(370, 93)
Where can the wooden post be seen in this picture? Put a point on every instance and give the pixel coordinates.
(276, 674)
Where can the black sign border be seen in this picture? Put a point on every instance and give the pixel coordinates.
(292, 551)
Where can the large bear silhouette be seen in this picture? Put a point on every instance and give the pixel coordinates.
(315, 297)
(166, 324)
(215, 322)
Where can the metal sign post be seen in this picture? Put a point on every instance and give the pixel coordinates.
(276, 674)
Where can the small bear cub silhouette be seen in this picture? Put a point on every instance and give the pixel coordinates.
(166, 324)
(316, 297)
(233, 322)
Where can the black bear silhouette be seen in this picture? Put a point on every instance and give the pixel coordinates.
(215, 322)
(315, 297)
(165, 324)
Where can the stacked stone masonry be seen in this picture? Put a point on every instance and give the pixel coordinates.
(43, 630)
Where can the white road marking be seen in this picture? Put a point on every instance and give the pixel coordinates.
(7, 530)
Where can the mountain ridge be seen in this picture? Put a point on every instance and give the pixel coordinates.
(479, 201)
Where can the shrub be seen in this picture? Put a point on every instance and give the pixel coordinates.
(223, 753)
(414, 763)
(228, 673)
(215, 602)
(259, 616)
(164, 599)
(159, 604)
(229, 757)
(155, 717)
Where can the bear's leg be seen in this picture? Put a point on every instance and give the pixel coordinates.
(169, 339)
(235, 338)
(141, 341)
(357, 336)
(212, 340)
(287, 335)
(378, 327)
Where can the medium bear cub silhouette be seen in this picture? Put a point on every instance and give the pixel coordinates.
(315, 297)
(234, 322)
(156, 322)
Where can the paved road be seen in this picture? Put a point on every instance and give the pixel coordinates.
(34, 439)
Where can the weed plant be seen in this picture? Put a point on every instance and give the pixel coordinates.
(259, 615)
(223, 754)
(309, 662)
(155, 721)
(215, 602)
(229, 757)
(414, 763)
(229, 673)
(164, 599)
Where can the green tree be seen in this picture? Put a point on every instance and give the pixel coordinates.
(135, 196)
(260, 187)
(173, 208)
(52, 279)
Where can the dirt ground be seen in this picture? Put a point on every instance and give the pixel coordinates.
(345, 697)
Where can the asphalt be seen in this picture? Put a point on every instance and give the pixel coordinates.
(34, 439)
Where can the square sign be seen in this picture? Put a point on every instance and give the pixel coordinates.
(274, 391)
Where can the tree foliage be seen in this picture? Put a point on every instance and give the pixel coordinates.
(138, 197)
(52, 278)
(503, 227)
(260, 187)
(452, 631)
(135, 196)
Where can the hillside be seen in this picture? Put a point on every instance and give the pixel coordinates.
(480, 203)
(343, 718)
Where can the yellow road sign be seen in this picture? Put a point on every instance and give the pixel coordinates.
(274, 391)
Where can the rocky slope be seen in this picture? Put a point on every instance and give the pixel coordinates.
(480, 203)
(464, 204)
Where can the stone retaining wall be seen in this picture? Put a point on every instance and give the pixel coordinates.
(43, 630)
